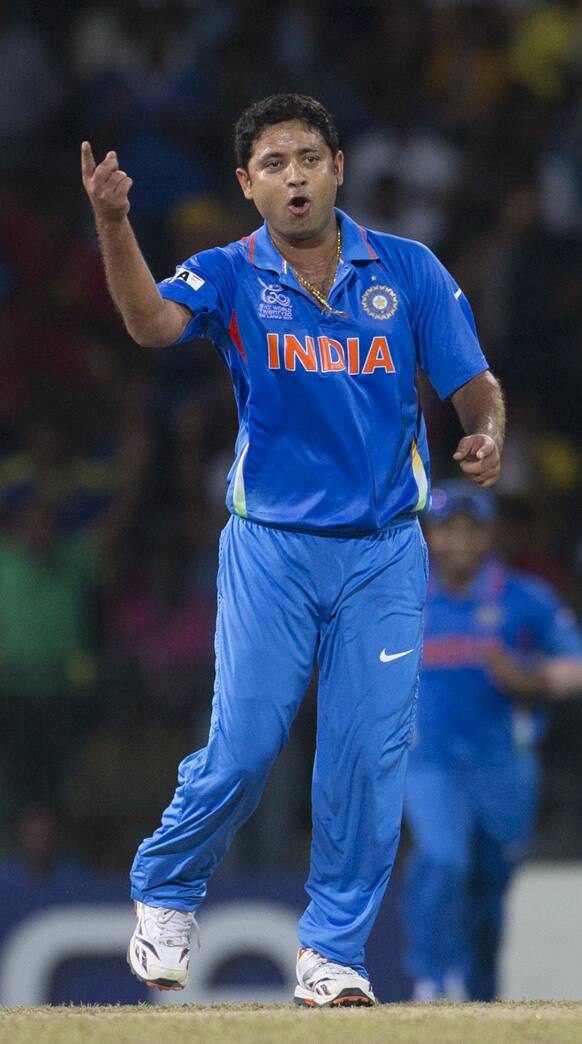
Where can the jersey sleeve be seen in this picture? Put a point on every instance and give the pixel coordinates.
(553, 624)
(205, 284)
(448, 349)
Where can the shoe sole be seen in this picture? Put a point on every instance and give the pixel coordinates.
(345, 999)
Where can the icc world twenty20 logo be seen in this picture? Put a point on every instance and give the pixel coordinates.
(274, 303)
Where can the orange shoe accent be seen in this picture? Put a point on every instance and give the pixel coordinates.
(156, 986)
(358, 999)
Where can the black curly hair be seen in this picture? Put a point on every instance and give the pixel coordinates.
(279, 108)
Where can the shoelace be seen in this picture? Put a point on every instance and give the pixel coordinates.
(174, 927)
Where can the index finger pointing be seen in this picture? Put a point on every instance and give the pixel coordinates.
(87, 160)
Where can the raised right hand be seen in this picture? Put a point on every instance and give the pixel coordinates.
(105, 184)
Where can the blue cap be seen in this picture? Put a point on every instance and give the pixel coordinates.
(459, 497)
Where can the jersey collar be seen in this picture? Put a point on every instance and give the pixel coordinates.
(355, 246)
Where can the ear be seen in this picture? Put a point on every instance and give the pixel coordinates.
(338, 166)
(244, 182)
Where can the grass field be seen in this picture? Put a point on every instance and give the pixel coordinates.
(550, 1023)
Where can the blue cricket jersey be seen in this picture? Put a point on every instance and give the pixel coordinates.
(462, 716)
(331, 435)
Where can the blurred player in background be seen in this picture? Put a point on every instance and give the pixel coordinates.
(497, 644)
(322, 325)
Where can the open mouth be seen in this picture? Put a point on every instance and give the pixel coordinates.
(299, 205)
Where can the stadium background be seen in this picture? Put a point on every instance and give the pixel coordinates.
(462, 125)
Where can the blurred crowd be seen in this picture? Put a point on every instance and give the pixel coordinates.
(462, 126)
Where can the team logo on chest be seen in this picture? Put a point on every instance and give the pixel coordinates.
(274, 303)
(380, 302)
(489, 616)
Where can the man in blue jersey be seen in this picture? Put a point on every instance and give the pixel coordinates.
(498, 643)
(322, 325)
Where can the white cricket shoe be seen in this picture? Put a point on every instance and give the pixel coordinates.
(323, 984)
(426, 991)
(159, 949)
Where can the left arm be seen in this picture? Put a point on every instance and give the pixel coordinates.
(555, 678)
(481, 410)
(556, 671)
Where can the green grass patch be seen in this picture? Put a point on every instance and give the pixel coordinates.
(550, 1023)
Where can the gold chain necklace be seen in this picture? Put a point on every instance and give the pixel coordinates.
(313, 290)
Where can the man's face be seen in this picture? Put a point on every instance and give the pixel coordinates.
(292, 178)
(458, 546)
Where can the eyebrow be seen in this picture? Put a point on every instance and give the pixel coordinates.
(277, 155)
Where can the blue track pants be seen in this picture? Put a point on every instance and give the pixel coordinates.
(287, 600)
(470, 828)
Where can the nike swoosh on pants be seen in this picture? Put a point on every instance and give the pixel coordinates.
(387, 657)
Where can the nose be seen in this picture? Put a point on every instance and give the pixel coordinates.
(295, 175)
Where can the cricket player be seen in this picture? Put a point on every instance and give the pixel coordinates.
(498, 643)
(322, 325)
